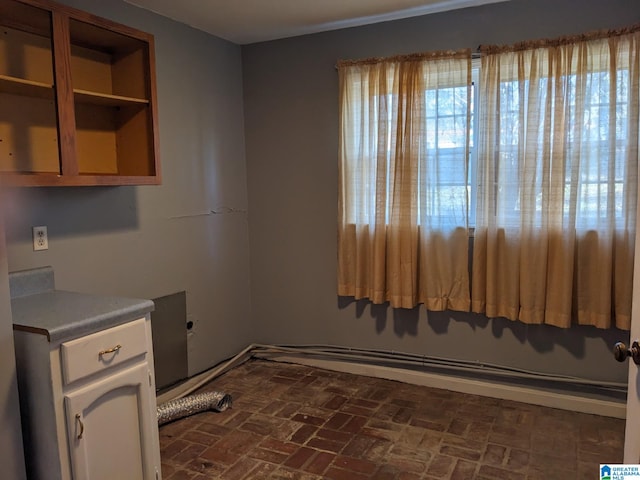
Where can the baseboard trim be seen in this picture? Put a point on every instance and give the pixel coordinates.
(563, 401)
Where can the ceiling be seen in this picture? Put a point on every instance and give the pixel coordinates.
(250, 21)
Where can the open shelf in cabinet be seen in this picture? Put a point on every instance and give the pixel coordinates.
(108, 140)
(112, 96)
(104, 99)
(28, 120)
(26, 88)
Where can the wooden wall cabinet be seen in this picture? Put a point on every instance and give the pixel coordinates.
(77, 99)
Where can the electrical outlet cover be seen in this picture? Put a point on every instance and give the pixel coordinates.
(40, 238)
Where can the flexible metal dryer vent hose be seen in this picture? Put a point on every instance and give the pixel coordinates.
(186, 406)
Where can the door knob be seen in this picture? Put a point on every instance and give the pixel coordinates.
(621, 352)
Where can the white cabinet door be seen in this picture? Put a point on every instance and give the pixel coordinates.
(105, 424)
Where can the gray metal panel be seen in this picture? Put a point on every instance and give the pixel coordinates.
(169, 331)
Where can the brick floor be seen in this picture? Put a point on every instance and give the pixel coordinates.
(302, 423)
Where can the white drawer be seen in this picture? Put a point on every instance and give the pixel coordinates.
(99, 351)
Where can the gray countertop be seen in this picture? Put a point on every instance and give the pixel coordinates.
(60, 315)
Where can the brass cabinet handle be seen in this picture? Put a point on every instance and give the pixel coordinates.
(81, 426)
(110, 350)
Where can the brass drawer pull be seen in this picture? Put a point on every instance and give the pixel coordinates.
(81, 426)
(110, 350)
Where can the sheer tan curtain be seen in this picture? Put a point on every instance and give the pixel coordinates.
(403, 200)
(558, 146)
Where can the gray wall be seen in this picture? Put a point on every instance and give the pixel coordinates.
(152, 241)
(11, 453)
(291, 125)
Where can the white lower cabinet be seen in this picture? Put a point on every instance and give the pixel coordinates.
(106, 425)
(88, 404)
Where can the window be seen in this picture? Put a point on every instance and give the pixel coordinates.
(558, 161)
(403, 180)
(535, 146)
(591, 169)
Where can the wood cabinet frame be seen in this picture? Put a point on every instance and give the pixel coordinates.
(132, 120)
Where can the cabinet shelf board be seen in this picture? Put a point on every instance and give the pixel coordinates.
(105, 99)
(26, 88)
